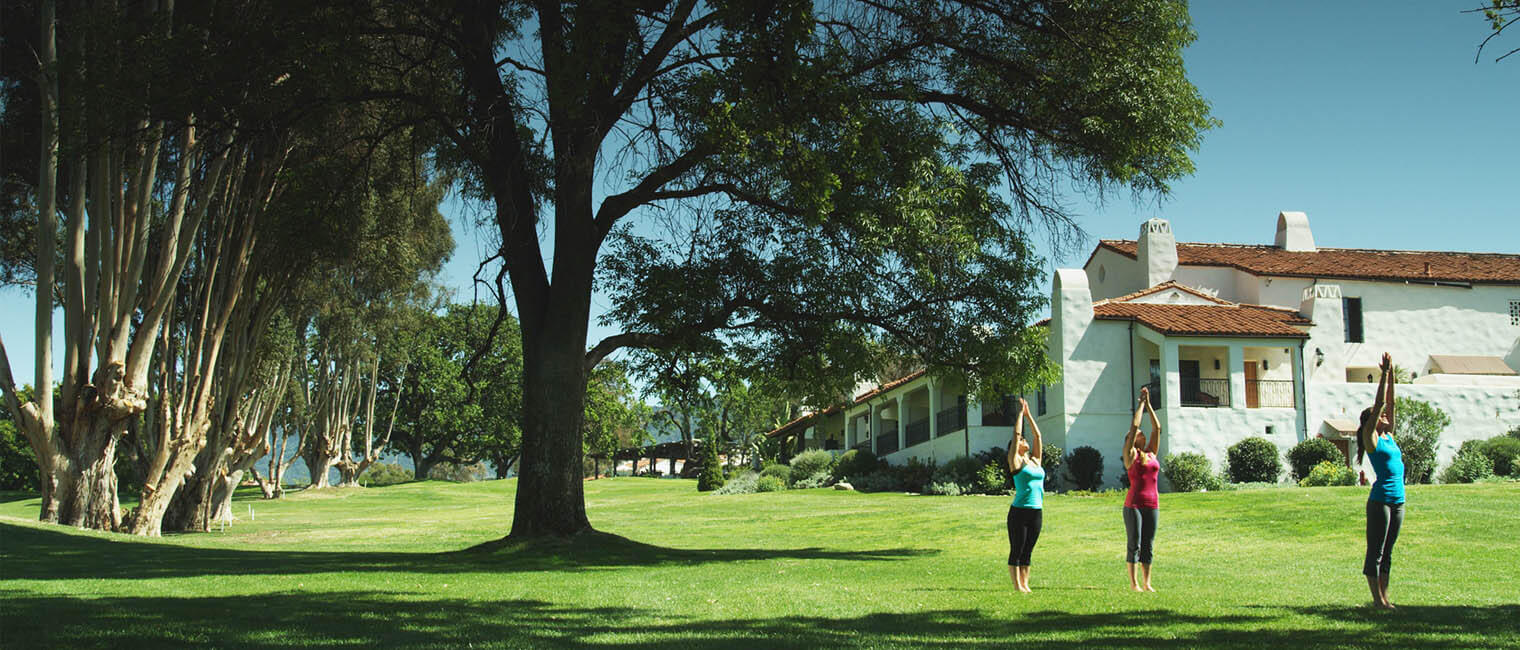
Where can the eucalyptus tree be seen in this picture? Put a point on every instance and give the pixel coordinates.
(790, 180)
(137, 159)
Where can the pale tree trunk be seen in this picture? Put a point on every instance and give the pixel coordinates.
(238, 439)
(122, 263)
(354, 468)
(219, 283)
(339, 391)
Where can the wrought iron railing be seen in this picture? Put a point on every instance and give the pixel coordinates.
(951, 420)
(1208, 393)
(1269, 393)
(916, 432)
(886, 443)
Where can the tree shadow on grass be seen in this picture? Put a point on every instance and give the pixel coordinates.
(394, 619)
(41, 553)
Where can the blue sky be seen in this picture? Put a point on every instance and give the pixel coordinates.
(1371, 117)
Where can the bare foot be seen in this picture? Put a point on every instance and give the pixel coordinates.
(1150, 588)
(1135, 588)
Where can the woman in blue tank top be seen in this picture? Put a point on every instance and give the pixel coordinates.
(1385, 504)
(1024, 514)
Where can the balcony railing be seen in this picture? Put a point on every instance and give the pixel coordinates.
(1269, 393)
(1209, 393)
(886, 443)
(916, 432)
(951, 420)
(1206, 393)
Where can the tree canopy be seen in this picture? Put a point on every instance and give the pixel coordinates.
(814, 185)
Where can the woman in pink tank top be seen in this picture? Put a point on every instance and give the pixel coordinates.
(1142, 502)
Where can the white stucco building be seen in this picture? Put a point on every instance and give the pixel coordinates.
(1277, 340)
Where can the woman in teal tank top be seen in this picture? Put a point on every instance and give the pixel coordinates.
(1025, 513)
(1385, 503)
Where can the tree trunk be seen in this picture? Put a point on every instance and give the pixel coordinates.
(319, 464)
(550, 496)
(221, 497)
(87, 498)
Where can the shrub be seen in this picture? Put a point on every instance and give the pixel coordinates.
(770, 484)
(808, 463)
(1416, 429)
(1084, 466)
(459, 473)
(744, 483)
(1514, 467)
(1190, 472)
(821, 479)
(992, 479)
(1253, 460)
(943, 489)
(1051, 460)
(385, 474)
(1502, 450)
(992, 455)
(916, 475)
(856, 463)
(882, 480)
(711, 477)
(961, 471)
(777, 470)
(1308, 454)
(1470, 465)
(1329, 472)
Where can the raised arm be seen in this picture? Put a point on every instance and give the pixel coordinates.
(1365, 436)
(1036, 444)
(1388, 403)
(1014, 462)
(1155, 428)
(1128, 455)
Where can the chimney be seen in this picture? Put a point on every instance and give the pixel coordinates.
(1293, 232)
(1157, 252)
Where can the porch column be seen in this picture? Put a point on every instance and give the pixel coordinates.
(902, 422)
(876, 425)
(1300, 394)
(1237, 376)
(934, 406)
(1172, 392)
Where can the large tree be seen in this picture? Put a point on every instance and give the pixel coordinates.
(454, 411)
(796, 180)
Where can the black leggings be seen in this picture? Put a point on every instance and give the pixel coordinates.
(1139, 533)
(1023, 532)
(1383, 522)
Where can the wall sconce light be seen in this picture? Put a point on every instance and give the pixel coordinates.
(1319, 357)
(1263, 364)
(1216, 364)
(1369, 377)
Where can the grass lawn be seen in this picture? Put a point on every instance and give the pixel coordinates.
(384, 567)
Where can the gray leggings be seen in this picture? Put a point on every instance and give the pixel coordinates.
(1140, 534)
(1383, 522)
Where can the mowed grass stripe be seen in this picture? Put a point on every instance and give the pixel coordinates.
(814, 568)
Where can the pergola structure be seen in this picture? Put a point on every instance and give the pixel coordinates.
(673, 451)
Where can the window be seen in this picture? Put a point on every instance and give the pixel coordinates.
(1514, 312)
(1351, 310)
(1039, 406)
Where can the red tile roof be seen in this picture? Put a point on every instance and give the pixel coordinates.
(1347, 263)
(1169, 284)
(863, 397)
(1227, 319)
